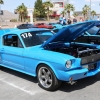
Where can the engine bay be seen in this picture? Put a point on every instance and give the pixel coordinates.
(74, 49)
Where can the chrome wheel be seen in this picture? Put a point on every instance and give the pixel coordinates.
(45, 77)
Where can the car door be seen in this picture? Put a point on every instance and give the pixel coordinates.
(12, 52)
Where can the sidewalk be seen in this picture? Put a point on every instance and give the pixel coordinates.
(13, 24)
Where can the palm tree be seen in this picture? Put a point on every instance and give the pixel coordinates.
(75, 14)
(22, 10)
(86, 10)
(93, 13)
(1, 2)
(69, 8)
(63, 13)
(47, 5)
(36, 13)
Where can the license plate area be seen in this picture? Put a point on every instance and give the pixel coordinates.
(91, 66)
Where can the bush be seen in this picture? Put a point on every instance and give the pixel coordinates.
(13, 20)
(56, 18)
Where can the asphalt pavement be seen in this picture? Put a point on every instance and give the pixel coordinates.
(18, 86)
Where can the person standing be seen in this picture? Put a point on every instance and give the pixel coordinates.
(64, 21)
(69, 21)
(61, 20)
(81, 19)
(74, 20)
(98, 18)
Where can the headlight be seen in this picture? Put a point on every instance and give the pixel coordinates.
(68, 64)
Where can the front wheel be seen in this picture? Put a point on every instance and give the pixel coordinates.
(46, 78)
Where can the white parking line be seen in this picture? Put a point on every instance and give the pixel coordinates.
(22, 89)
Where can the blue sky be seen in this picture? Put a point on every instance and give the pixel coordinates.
(10, 5)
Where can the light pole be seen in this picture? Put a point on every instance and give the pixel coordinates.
(90, 9)
(1, 12)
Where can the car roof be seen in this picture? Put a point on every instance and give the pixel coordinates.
(18, 31)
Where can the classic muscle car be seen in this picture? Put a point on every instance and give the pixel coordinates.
(50, 58)
(44, 25)
(56, 25)
(26, 26)
(90, 36)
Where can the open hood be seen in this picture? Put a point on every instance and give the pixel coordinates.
(71, 32)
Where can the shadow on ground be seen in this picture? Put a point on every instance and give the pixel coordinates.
(21, 75)
(80, 84)
(65, 87)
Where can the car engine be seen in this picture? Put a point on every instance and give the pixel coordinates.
(76, 50)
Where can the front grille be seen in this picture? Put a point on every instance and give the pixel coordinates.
(90, 59)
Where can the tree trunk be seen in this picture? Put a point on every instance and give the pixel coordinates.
(84, 17)
(69, 14)
(48, 17)
(48, 13)
(21, 18)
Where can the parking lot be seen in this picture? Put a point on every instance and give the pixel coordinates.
(18, 86)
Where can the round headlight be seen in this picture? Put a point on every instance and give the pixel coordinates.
(68, 64)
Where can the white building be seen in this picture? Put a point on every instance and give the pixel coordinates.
(30, 14)
(58, 6)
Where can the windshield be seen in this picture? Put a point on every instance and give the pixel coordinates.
(35, 37)
(93, 30)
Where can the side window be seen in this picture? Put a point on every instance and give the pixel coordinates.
(12, 40)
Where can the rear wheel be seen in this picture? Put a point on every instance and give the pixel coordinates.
(46, 78)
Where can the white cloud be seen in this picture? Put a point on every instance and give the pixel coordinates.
(92, 0)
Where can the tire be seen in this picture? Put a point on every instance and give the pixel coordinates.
(1, 67)
(46, 78)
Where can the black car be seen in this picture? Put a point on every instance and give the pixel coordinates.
(26, 26)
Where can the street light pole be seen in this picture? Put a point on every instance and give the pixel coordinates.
(0, 15)
(90, 9)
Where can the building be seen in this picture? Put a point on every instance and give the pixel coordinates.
(79, 13)
(58, 6)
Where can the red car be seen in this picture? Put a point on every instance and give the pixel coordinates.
(43, 25)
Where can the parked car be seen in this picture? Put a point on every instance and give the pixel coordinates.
(26, 26)
(50, 58)
(56, 25)
(44, 25)
(90, 36)
(55, 30)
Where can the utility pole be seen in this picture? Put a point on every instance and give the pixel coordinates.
(66, 2)
(90, 9)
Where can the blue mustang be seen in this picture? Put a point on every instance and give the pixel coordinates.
(51, 58)
(56, 25)
(90, 36)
